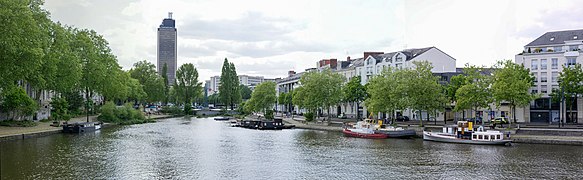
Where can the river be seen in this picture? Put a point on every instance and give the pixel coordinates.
(194, 148)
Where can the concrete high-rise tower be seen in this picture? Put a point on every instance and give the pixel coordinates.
(167, 47)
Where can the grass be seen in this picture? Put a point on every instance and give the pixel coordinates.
(13, 123)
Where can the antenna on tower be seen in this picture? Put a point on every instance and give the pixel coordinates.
(169, 15)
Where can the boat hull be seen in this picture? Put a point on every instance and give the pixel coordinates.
(429, 136)
(407, 133)
(349, 133)
(221, 119)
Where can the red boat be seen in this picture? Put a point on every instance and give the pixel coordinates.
(362, 134)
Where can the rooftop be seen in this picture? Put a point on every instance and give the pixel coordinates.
(557, 37)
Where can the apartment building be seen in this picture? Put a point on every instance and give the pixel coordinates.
(546, 57)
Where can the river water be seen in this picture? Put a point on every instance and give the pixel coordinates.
(181, 148)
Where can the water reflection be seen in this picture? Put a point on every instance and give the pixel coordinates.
(183, 148)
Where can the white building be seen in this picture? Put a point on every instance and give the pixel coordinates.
(546, 57)
(214, 84)
(375, 62)
(250, 81)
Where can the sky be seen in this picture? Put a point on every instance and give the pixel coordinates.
(269, 38)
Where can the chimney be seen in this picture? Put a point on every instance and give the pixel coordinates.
(291, 73)
(348, 58)
(169, 15)
(366, 54)
(333, 63)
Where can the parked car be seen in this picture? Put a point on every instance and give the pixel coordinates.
(499, 120)
(402, 118)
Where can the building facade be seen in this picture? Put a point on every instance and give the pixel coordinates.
(167, 47)
(250, 81)
(546, 57)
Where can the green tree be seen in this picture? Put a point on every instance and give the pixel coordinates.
(424, 91)
(282, 99)
(511, 83)
(21, 51)
(570, 80)
(153, 85)
(166, 83)
(321, 90)
(229, 89)
(187, 85)
(17, 102)
(387, 91)
(354, 93)
(476, 93)
(245, 92)
(60, 109)
(263, 98)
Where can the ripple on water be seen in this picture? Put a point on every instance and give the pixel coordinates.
(193, 148)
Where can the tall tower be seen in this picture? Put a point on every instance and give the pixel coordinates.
(167, 48)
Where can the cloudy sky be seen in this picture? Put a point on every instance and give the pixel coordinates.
(268, 38)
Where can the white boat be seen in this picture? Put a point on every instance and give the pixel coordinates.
(362, 129)
(464, 133)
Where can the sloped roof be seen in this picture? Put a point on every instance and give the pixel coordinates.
(557, 37)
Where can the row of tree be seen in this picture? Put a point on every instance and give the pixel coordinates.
(417, 89)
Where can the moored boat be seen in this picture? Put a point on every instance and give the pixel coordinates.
(362, 129)
(81, 127)
(464, 133)
(390, 131)
(234, 123)
(221, 118)
(275, 124)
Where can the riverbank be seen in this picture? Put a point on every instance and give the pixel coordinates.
(44, 128)
(525, 135)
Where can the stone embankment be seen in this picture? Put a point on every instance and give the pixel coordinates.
(44, 129)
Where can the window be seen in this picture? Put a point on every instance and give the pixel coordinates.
(543, 77)
(498, 136)
(543, 89)
(552, 38)
(573, 47)
(575, 37)
(399, 65)
(480, 137)
(558, 48)
(554, 77)
(486, 137)
(534, 64)
(534, 91)
(554, 63)
(571, 61)
(543, 64)
(535, 75)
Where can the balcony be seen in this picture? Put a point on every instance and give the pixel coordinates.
(571, 53)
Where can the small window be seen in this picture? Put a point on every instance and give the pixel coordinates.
(486, 137)
(552, 38)
(474, 136)
(498, 136)
(480, 137)
(575, 37)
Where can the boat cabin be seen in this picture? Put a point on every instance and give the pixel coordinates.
(465, 130)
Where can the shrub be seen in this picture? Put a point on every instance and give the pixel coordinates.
(108, 113)
(309, 116)
(173, 110)
(122, 115)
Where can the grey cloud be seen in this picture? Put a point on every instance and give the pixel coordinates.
(253, 49)
(555, 20)
(249, 28)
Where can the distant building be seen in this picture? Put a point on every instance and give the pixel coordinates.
(214, 84)
(167, 47)
(250, 81)
(545, 57)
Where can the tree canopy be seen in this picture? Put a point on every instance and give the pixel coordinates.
(263, 98)
(511, 83)
(187, 85)
(229, 92)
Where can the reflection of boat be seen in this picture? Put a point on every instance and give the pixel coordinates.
(392, 132)
(221, 118)
(464, 133)
(81, 127)
(362, 129)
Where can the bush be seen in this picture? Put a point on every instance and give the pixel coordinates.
(122, 115)
(309, 116)
(13, 123)
(173, 110)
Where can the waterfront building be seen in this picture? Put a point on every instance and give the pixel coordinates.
(546, 56)
(167, 47)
